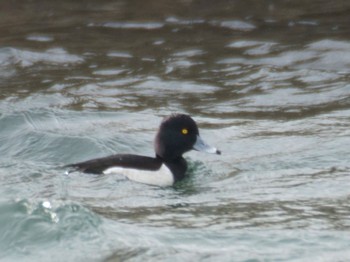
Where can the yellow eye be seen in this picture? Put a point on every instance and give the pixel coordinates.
(184, 131)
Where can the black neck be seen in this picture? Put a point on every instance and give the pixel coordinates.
(177, 166)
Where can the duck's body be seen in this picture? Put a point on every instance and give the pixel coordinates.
(177, 134)
(143, 169)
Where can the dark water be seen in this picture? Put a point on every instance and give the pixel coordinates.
(268, 84)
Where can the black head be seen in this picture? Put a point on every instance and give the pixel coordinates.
(176, 135)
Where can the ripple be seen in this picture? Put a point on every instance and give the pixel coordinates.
(119, 54)
(234, 25)
(189, 53)
(32, 228)
(28, 58)
(328, 55)
(109, 72)
(40, 38)
(153, 84)
(184, 21)
(254, 47)
(134, 25)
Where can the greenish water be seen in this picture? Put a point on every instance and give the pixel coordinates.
(267, 83)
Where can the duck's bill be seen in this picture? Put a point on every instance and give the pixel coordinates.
(200, 145)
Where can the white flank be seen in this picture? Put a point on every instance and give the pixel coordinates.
(161, 177)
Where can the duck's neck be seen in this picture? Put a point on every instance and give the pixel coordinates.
(177, 166)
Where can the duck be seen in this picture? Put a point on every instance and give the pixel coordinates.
(176, 135)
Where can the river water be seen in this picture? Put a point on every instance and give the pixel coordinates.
(267, 83)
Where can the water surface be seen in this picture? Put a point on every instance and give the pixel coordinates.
(268, 84)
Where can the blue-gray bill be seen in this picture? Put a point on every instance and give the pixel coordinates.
(202, 146)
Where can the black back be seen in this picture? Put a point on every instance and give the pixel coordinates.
(98, 165)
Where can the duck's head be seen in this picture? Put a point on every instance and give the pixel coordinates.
(178, 134)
